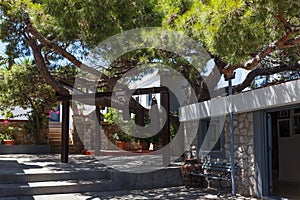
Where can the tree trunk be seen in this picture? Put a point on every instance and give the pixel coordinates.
(39, 131)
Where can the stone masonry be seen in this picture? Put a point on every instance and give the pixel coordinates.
(20, 133)
(244, 152)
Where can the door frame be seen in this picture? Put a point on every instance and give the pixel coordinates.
(263, 150)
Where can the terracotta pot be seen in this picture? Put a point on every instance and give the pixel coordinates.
(189, 166)
(9, 142)
(121, 145)
(89, 153)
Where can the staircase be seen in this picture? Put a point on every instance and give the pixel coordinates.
(28, 175)
(59, 182)
(55, 138)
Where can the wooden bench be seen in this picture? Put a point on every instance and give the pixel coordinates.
(211, 170)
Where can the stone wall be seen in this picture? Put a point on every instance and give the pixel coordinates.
(84, 134)
(20, 132)
(244, 152)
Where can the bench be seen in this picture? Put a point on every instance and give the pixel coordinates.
(211, 170)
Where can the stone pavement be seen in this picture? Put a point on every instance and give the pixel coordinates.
(134, 163)
(158, 194)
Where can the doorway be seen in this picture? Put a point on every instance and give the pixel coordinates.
(283, 133)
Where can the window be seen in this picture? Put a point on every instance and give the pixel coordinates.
(212, 138)
(288, 122)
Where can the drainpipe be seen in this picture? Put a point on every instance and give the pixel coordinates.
(233, 191)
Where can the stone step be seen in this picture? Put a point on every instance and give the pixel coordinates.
(51, 135)
(54, 137)
(55, 133)
(54, 130)
(54, 187)
(40, 175)
(54, 124)
(57, 141)
(45, 174)
(39, 182)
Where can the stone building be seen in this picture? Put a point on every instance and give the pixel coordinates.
(266, 124)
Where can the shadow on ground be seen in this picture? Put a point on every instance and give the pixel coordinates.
(163, 193)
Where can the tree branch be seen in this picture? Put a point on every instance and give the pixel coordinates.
(265, 71)
(282, 43)
(43, 68)
(51, 45)
(292, 42)
(280, 17)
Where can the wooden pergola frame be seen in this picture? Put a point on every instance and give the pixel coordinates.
(165, 102)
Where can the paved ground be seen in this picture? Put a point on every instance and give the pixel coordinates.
(132, 164)
(163, 193)
(16, 164)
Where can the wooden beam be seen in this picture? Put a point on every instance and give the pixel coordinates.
(98, 95)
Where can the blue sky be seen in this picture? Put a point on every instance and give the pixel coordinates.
(239, 77)
(2, 47)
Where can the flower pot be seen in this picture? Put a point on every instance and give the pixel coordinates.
(121, 145)
(9, 142)
(191, 165)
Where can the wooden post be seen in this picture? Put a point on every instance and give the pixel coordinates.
(165, 102)
(97, 132)
(65, 131)
(139, 117)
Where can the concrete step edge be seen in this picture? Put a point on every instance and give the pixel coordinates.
(55, 187)
(50, 176)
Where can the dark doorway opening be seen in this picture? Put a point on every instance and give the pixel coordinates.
(284, 159)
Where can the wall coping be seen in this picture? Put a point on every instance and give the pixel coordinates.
(283, 94)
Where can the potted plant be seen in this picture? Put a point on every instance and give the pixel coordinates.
(121, 140)
(8, 136)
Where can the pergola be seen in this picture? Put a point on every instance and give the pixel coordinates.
(97, 97)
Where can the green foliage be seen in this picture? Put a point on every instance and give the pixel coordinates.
(35, 122)
(8, 114)
(92, 21)
(115, 117)
(231, 29)
(23, 86)
(172, 132)
(111, 116)
(120, 136)
(116, 137)
(72, 22)
(8, 134)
